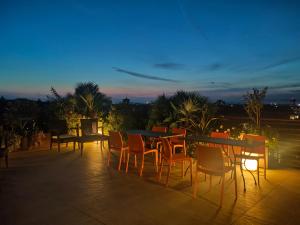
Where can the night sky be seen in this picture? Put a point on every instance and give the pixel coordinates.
(141, 49)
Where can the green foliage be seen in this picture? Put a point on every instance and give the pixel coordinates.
(90, 101)
(115, 121)
(184, 109)
(125, 116)
(61, 105)
(160, 110)
(254, 105)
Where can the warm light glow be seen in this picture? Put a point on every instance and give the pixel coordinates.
(249, 164)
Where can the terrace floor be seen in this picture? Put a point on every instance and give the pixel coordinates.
(47, 187)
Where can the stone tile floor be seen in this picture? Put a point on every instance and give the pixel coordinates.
(47, 187)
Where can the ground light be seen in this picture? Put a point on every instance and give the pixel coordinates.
(249, 164)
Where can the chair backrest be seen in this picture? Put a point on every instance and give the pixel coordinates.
(135, 143)
(166, 149)
(258, 138)
(220, 135)
(58, 127)
(159, 129)
(181, 131)
(115, 140)
(210, 159)
(89, 126)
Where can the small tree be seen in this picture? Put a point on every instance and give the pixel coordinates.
(254, 105)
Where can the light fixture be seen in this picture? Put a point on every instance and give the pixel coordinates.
(249, 164)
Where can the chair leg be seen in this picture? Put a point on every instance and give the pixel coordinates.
(135, 162)
(142, 166)
(81, 149)
(156, 162)
(124, 158)
(101, 145)
(265, 167)
(108, 157)
(182, 168)
(235, 181)
(168, 174)
(120, 160)
(195, 185)
(74, 145)
(191, 170)
(222, 191)
(6, 160)
(127, 161)
(160, 169)
(258, 172)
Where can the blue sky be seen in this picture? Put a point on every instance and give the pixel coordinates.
(142, 49)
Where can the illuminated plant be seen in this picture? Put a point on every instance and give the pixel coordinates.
(254, 105)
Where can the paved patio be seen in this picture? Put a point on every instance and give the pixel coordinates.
(47, 187)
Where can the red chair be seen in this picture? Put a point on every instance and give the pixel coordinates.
(136, 146)
(257, 153)
(224, 147)
(178, 142)
(170, 158)
(160, 129)
(115, 143)
(156, 141)
(210, 160)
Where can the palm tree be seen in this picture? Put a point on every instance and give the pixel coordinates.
(90, 101)
(186, 112)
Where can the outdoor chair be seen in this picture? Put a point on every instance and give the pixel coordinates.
(210, 160)
(136, 146)
(258, 153)
(226, 151)
(89, 133)
(155, 141)
(170, 158)
(115, 143)
(60, 133)
(178, 142)
(4, 149)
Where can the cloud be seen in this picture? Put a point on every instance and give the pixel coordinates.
(291, 85)
(215, 66)
(169, 66)
(280, 63)
(220, 84)
(144, 75)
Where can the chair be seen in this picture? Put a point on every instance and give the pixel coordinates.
(136, 146)
(178, 142)
(210, 160)
(59, 133)
(115, 143)
(169, 157)
(156, 140)
(256, 153)
(224, 147)
(89, 133)
(159, 129)
(4, 149)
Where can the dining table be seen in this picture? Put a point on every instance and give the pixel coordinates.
(153, 134)
(232, 143)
